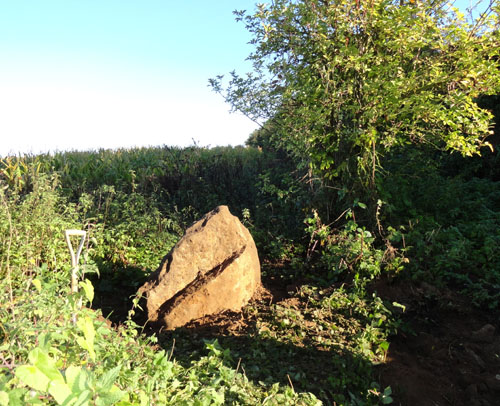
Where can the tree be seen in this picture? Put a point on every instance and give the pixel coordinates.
(346, 81)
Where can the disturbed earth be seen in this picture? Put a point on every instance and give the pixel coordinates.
(448, 352)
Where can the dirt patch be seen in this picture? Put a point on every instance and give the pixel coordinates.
(242, 323)
(229, 322)
(448, 355)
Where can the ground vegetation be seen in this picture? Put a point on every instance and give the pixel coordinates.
(379, 248)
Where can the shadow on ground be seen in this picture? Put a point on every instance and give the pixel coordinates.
(450, 357)
(452, 354)
(333, 375)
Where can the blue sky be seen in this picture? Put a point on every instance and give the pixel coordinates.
(89, 74)
(108, 73)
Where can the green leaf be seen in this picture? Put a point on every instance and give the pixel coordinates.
(83, 398)
(384, 346)
(88, 289)
(45, 364)
(44, 376)
(32, 377)
(86, 325)
(77, 378)
(387, 400)
(4, 398)
(143, 398)
(106, 381)
(110, 397)
(16, 397)
(60, 392)
(44, 340)
(386, 396)
(37, 284)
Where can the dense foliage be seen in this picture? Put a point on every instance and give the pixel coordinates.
(347, 81)
(131, 223)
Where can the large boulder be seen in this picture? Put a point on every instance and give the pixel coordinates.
(214, 267)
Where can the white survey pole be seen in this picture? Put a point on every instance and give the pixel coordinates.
(74, 257)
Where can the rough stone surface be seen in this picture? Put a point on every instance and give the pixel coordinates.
(214, 267)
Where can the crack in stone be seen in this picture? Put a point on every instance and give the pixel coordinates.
(201, 280)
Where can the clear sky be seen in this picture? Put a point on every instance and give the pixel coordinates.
(89, 74)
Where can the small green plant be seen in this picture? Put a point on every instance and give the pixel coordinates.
(350, 251)
(75, 385)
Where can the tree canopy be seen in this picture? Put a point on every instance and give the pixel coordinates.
(346, 81)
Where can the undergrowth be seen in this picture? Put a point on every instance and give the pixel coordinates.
(318, 344)
(448, 221)
(48, 359)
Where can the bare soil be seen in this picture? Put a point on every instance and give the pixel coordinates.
(451, 355)
(447, 353)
